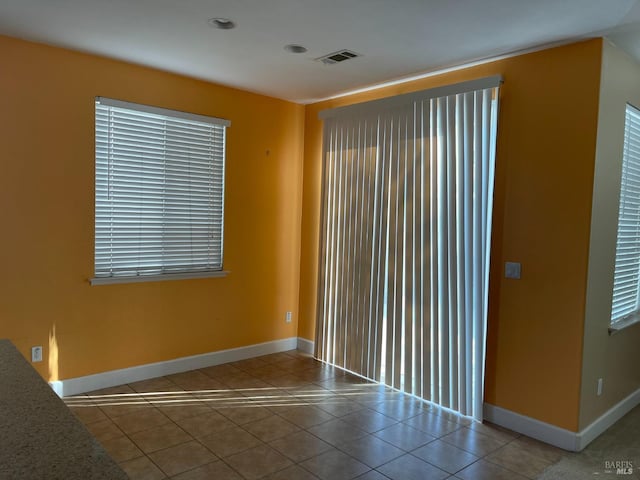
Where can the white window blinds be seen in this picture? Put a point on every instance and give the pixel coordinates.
(407, 204)
(627, 269)
(159, 199)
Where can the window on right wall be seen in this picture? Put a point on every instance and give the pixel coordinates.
(626, 283)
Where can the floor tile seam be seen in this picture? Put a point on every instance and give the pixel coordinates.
(373, 431)
(298, 429)
(131, 405)
(477, 459)
(166, 475)
(303, 459)
(505, 437)
(442, 438)
(437, 436)
(85, 423)
(220, 457)
(235, 422)
(409, 453)
(116, 426)
(333, 419)
(191, 438)
(232, 468)
(169, 420)
(401, 419)
(293, 402)
(300, 464)
(434, 465)
(402, 451)
(310, 426)
(322, 439)
(132, 458)
(293, 463)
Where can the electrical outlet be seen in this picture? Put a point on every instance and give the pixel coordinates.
(599, 386)
(287, 317)
(36, 354)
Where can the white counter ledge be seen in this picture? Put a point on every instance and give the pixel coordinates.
(39, 436)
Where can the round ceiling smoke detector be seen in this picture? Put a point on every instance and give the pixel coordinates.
(221, 23)
(293, 48)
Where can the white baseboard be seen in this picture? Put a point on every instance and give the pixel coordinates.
(545, 432)
(75, 386)
(559, 437)
(611, 416)
(306, 346)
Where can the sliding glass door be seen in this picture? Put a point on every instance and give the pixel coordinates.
(406, 225)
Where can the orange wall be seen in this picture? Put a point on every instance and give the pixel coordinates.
(544, 177)
(46, 212)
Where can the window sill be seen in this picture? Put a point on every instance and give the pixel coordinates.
(624, 323)
(156, 278)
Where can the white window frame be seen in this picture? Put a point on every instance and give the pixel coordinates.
(159, 199)
(625, 303)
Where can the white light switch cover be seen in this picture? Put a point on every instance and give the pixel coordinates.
(512, 270)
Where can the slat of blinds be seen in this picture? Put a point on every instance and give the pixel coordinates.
(409, 253)
(466, 364)
(434, 360)
(159, 191)
(370, 208)
(627, 264)
(360, 284)
(392, 256)
(444, 267)
(382, 345)
(398, 249)
(375, 317)
(336, 219)
(425, 253)
(350, 333)
(341, 238)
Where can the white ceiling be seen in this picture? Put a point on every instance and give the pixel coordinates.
(397, 38)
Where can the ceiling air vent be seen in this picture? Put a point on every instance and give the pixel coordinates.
(337, 57)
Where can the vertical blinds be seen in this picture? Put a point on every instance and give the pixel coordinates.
(407, 200)
(627, 266)
(159, 191)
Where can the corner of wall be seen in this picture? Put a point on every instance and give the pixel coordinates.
(613, 359)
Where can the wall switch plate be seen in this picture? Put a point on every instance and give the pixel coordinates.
(512, 270)
(287, 317)
(36, 354)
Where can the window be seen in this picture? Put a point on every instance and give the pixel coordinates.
(159, 205)
(627, 268)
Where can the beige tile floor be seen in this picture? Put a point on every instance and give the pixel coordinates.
(286, 416)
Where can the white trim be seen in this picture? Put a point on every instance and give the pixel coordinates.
(531, 427)
(626, 322)
(162, 111)
(57, 387)
(452, 68)
(74, 386)
(386, 103)
(157, 278)
(606, 420)
(306, 346)
(559, 437)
